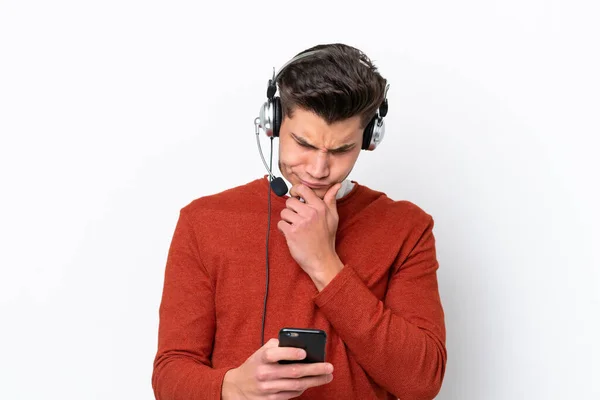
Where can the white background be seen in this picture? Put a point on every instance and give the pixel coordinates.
(115, 114)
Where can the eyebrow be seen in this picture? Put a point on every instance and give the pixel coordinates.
(336, 150)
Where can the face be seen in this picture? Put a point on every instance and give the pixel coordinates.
(315, 153)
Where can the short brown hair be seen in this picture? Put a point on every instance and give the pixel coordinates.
(336, 83)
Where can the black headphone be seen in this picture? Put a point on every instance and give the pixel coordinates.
(271, 115)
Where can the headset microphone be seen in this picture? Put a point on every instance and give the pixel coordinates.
(277, 183)
(279, 186)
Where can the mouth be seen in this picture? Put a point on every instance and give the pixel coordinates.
(313, 186)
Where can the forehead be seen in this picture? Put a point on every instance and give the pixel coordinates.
(314, 129)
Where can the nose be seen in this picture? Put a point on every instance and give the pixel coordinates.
(318, 167)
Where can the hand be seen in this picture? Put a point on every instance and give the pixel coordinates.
(310, 228)
(261, 377)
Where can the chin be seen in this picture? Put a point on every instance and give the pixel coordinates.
(320, 192)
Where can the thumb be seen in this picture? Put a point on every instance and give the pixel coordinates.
(271, 343)
(329, 197)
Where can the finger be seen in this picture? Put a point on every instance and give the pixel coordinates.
(306, 193)
(273, 342)
(290, 216)
(284, 227)
(329, 197)
(274, 354)
(295, 205)
(296, 385)
(298, 370)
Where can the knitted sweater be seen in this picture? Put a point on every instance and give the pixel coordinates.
(382, 313)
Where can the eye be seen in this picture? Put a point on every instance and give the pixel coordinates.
(340, 152)
(304, 145)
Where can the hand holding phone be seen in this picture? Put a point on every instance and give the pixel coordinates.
(262, 376)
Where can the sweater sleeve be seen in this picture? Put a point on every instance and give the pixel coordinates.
(182, 366)
(400, 341)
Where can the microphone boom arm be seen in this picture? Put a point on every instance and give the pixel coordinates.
(256, 130)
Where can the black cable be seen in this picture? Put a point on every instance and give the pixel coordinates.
(267, 247)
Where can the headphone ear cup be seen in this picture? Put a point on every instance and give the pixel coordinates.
(277, 116)
(264, 118)
(368, 134)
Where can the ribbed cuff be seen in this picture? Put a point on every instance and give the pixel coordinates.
(212, 390)
(338, 282)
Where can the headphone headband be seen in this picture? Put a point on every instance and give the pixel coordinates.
(273, 81)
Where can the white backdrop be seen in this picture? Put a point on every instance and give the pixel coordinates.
(115, 114)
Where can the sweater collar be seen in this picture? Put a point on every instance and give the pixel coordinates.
(347, 186)
(345, 194)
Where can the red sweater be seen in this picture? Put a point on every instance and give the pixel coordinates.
(382, 313)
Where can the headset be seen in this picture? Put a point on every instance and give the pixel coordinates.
(269, 120)
(271, 115)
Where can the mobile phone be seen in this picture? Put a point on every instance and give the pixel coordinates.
(311, 340)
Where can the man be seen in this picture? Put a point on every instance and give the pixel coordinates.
(346, 259)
